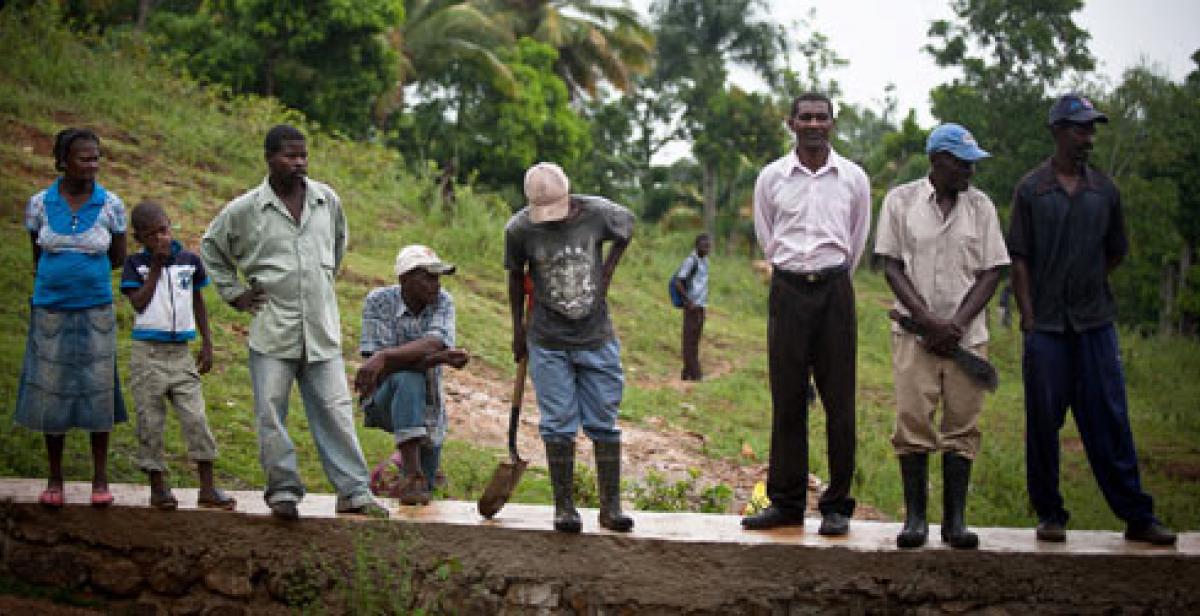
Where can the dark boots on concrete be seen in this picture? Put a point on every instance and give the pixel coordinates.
(956, 476)
(414, 486)
(914, 470)
(560, 457)
(608, 480)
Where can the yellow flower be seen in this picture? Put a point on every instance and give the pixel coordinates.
(758, 499)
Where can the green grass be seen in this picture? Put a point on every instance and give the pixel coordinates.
(194, 147)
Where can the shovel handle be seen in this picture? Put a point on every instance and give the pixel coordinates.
(514, 416)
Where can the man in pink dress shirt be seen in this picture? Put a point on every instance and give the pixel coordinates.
(812, 210)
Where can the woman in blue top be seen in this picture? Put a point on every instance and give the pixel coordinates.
(69, 377)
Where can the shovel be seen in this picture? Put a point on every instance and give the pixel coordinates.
(508, 473)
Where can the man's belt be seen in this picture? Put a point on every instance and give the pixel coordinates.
(976, 367)
(814, 277)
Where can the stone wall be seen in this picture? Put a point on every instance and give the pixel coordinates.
(204, 562)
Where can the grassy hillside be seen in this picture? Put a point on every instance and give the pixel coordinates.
(193, 148)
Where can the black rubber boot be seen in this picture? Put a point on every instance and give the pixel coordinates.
(608, 483)
(914, 470)
(956, 476)
(560, 457)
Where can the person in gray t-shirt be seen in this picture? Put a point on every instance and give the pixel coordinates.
(574, 357)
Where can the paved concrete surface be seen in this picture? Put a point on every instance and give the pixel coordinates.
(676, 527)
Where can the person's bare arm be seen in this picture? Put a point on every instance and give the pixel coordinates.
(117, 251)
(37, 250)
(941, 335)
(412, 355)
(977, 297)
(141, 296)
(516, 306)
(204, 359)
(1022, 290)
(610, 263)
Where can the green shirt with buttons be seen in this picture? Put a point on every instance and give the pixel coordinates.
(293, 262)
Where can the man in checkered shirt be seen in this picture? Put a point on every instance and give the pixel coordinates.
(407, 335)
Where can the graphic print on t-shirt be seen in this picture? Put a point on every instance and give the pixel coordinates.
(572, 290)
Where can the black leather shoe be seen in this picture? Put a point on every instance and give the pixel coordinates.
(1052, 531)
(285, 510)
(834, 524)
(773, 517)
(1153, 533)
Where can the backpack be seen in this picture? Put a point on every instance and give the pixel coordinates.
(673, 290)
(677, 299)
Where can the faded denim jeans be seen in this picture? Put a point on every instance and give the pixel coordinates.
(578, 387)
(404, 394)
(330, 415)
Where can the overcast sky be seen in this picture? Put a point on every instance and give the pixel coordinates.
(882, 40)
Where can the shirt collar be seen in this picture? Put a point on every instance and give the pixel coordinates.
(99, 194)
(834, 163)
(403, 309)
(1047, 180)
(267, 196)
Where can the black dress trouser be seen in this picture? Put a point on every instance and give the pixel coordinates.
(811, 330)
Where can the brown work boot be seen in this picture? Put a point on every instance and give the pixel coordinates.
(414, 487)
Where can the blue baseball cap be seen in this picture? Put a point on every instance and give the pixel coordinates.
(956, 140)
(1076, 109)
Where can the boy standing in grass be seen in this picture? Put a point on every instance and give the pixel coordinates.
(164, 282)
(692, 284)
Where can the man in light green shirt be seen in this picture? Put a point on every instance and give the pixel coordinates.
(287, 238)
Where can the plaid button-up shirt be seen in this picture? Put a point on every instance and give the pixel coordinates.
(387, 322)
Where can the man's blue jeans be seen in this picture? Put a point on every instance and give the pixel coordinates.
(330, 420)
(575, 387)
(403, 393)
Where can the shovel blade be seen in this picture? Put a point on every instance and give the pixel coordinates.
(500, 488)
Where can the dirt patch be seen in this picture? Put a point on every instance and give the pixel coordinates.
(31, 139)
(1180, 470)
(352, 276)
(478, 406)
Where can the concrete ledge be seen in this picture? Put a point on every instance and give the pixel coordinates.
(445, 556)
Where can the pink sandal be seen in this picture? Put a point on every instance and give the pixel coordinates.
(101, 498)
(52, 498)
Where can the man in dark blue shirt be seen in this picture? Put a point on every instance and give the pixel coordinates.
(1067, 234)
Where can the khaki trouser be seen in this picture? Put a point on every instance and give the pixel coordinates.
(159, 371)
(922, 380)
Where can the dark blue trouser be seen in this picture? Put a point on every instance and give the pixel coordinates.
(1080, 370)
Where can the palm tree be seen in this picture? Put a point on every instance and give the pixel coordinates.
(438, 33)
(596, 41)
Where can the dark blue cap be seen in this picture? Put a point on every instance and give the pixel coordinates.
(1076, 109)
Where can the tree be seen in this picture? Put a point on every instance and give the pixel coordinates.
(438, 34)
(697, 41)
(1149, 149)
(324, 57)
(596, 41)
(1010, 54)
(469, 125)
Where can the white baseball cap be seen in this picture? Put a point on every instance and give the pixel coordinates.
(546, 189)
(415, 255)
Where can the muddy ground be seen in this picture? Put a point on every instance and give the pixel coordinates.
(478, 406)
